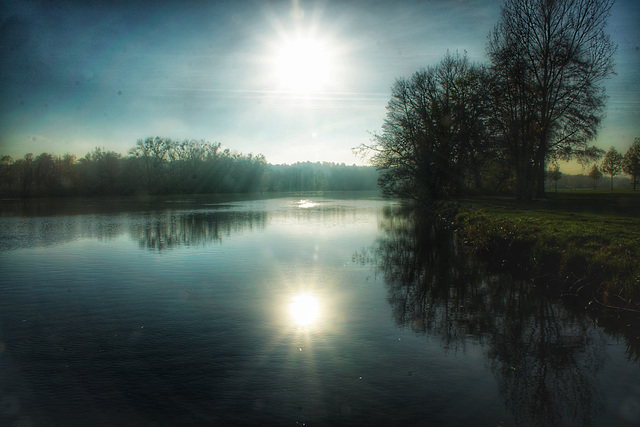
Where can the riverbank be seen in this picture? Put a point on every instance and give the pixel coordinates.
(583, 246)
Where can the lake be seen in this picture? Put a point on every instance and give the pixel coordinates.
(309, 309)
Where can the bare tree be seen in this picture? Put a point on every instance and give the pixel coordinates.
(550, 58)
(612, 164)
(631, 161)
(434, 132)
(595, 175)
(154, 153)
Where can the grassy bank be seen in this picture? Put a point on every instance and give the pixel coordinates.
(582, 245)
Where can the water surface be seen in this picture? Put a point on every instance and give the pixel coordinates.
(297, 310)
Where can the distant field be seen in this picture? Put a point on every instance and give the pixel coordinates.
(617, 202)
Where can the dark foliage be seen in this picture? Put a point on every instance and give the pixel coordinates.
(458, 126)
(549, 59)
(435, 140)
(164, 166)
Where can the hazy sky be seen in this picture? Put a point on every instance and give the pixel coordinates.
(293, 80)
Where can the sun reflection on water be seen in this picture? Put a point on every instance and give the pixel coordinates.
(304, 203)
(304, 309)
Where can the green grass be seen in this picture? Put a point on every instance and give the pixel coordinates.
(578, 242)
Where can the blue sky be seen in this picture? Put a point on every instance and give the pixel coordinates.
(80, 74)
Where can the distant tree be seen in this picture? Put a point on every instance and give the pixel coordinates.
(555, 175)
(612, 163)
(67, 174)
(100, 173)
(595, 175)
(318, 176)
(108, 169)
(44, 174)
(186, 165)
(25, 174)
(154, 154)
(550, 58)
(5, 164)
(631, 162)
(6, 177)
(156, 165)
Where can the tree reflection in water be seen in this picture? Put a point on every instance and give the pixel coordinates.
(167, 229)
(543, 357)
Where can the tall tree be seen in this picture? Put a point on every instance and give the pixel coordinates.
(631, 161)
(550, 58)
(434, 133)
(612, 164)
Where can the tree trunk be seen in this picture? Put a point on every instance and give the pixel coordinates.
(539, 173)
(524, 182)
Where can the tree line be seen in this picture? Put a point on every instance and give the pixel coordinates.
(307, 176)
(459, 126)
(613, 164)
(585, 181)
(158, 165)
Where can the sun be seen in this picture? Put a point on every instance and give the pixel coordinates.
(303, 65)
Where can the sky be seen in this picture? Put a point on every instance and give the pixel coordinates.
(293, 80)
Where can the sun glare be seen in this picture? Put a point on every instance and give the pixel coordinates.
(304, 309)
(304, 204)
(303, 65)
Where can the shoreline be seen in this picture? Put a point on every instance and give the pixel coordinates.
(579, 254)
